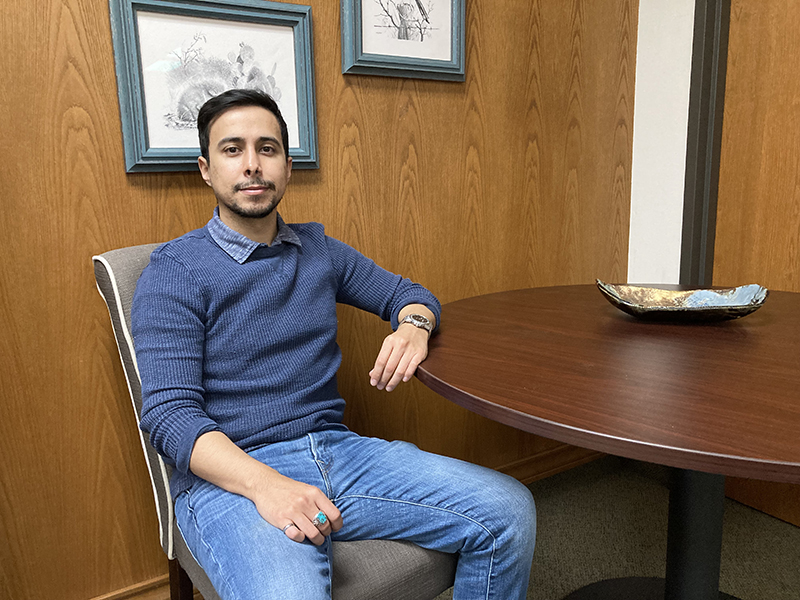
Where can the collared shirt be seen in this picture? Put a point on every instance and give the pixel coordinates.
(240, 247)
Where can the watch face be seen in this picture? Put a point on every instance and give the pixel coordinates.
(419, 321)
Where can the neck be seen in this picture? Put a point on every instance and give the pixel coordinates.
(261, 230)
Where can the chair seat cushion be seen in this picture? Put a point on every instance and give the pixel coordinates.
(364, 570)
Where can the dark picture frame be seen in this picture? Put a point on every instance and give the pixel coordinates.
(172, 55)
(404, 38)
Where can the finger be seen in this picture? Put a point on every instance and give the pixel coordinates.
(324, 529)
(332, 520)
(397, 360)
(311, 533)
(294, 534)
(322, 523)
(412, 366)
(407, 367)
(286, 527)
(380, 363)
(335, 521)
(399, 373)
(316, 526)
(389, 369)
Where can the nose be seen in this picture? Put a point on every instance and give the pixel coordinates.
(252, 165)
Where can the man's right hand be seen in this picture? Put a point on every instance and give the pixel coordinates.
(292, 506)
(280, 500)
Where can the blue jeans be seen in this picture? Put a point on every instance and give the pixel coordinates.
(384, 490)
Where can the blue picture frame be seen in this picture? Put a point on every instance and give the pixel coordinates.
(362, 56)
(147, 124)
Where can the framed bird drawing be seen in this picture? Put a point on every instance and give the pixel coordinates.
(404, 38)
(173, 55)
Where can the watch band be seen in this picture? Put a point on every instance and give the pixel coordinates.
(418, 321)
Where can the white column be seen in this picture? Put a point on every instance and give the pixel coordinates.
(661, 109)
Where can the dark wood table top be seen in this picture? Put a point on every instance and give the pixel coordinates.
(563, 363)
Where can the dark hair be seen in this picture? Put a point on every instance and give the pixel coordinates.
(217, 105)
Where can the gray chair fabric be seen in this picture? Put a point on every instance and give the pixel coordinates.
(365, 570)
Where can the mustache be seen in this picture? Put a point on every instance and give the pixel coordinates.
(258, 182)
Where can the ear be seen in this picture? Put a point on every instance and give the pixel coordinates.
(288, 168)
(203, 164)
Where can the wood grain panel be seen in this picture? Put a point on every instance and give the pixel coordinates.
(519, 176)
(781, 500)
(758, 211)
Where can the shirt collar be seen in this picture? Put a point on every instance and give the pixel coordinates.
(240, 247)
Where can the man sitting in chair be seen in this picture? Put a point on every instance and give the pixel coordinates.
(234, 326)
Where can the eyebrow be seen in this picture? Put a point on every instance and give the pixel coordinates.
(240, 140)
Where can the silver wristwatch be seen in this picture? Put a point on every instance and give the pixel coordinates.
(419, 321)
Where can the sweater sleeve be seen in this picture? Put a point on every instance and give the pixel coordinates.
(364, 284)
(167, 322)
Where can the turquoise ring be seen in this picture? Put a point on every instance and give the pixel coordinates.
(319, 519)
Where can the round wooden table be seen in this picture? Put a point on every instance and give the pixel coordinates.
(710, 399)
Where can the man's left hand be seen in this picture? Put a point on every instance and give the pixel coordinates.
(400, 355)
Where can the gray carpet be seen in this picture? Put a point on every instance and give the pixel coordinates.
(608, 519)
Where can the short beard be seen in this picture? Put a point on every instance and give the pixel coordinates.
(254, 213)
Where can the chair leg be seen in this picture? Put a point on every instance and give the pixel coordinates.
(180, 586)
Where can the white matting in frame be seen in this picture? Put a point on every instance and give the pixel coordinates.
(413, 28)
(186, 60)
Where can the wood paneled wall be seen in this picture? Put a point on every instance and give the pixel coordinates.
(520, 176)
(758, 211)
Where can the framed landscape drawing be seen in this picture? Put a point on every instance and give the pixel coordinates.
(404, 38)
(173, 55)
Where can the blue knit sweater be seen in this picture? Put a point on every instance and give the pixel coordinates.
(240, 337)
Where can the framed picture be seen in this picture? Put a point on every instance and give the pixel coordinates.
(404, 38)
(173, 55)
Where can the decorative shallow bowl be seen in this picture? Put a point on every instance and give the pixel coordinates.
(685, 305)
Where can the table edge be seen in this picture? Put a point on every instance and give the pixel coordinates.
(671, 456)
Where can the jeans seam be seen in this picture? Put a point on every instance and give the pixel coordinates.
(208, 548)
(318, 462)
(447, 510)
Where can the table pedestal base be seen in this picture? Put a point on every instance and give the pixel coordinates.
(627, 588)
(694, 546)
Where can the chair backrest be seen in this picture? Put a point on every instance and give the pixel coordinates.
(116, 273)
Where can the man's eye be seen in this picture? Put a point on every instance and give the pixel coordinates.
(268, 150)
(231, 150)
